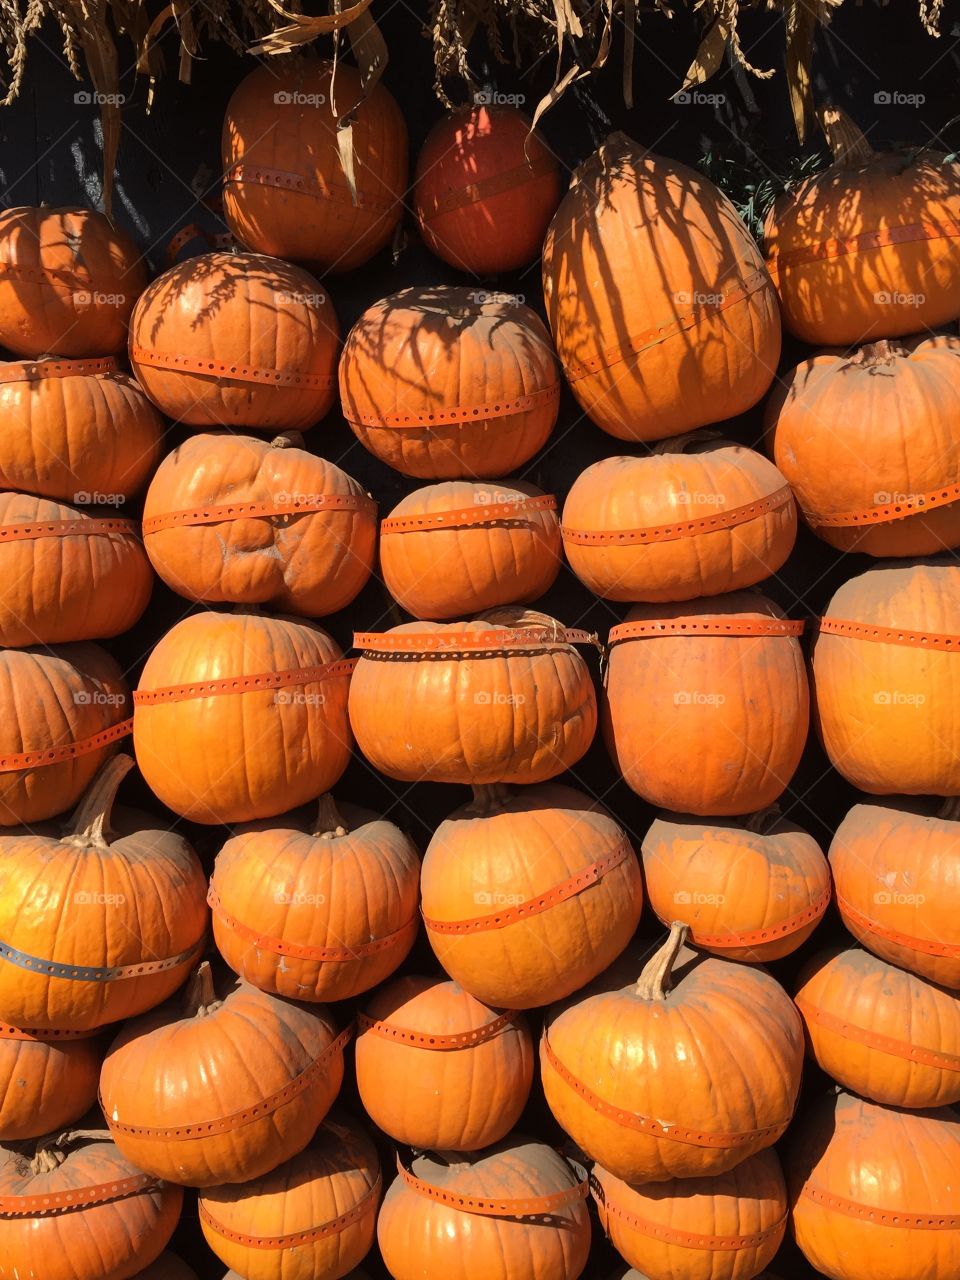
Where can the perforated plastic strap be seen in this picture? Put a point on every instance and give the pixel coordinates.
(455, 642)
(531, 1207)
(87, 527)
(259, 510)
(334, 1227)
(42, 1206)
(231, 371)
(464, 517)
(948, 950)
(542, 902)
(915, 504)
(709, 625)
(486, 188)
(757, 936)
(427, 1040)
(315, 186)
(41, 1036)
(215, 240)
(38, 370)
(881, 1217)
(712, 523)
(15, 761)
(889, 635)
(672, 1235)
(424, 419)
(243, 684)
(93, 973)
(873, 1040)
(911, 233)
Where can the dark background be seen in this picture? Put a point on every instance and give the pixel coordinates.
(168, 177)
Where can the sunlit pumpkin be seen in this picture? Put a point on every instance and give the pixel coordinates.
(48, 1079)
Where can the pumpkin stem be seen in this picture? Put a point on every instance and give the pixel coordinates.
(51, 1150)
(761, 821)
(885, 351)
(950, 809)
(656, 979)
(201, 994)
(488, 799)
(90, 823)
(847, 142)
(614, 146)
(330, 822)
(680, 444)
(288, 440)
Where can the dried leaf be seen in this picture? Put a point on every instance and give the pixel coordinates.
(709, 55)
(801, 18)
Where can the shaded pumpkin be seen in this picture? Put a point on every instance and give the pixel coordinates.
(706, 707)
(752, 889)
(663, 313)
(869, 442)
(236, 340)
(114, 894)
(68, 282)
(167, 1267)
(460, 547)
(438, 1069)
(485, 189)
(547, 1237)
(48, 1080)
(441, 385)
(218, 755)
(728, 1044)
(308, 549)
(528, 895)
(316, 906)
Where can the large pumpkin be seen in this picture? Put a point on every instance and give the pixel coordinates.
(873, 1190)
(313, 1218)
(67, 575)
(285, 191)
(68, 282)
(503, 698)
(748, 890)
(515, 1210)
(77, 1209)
(727, 1042)
(446, 382)
(182, 1101)
(233, 518)
(48, 1079)
(61, 713)
(316, 906)
(101, 923)
(898, 885)
(868, 248)
(236, 340)
(528, 895)
(880, 1031)
(870, 442)
(884, 665)
(663, 313)
(722, 1228)
(77, 430)
(706, 705)
(461, 547)
(699, 517)
(239, 716)
(485, 189)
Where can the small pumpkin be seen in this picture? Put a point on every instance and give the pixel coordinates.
(124, 905)
(233, 518)
(236, 340)
(167, 1267)
(48, 1080)
(440, 1070)
(316, 906)
(485, 189)
(443, 383)
(460, 547)
(68, 282)
(528, 895)
(728, 1044)
(239, 716)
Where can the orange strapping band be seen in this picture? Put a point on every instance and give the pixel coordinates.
(684, 529)
(914, 505)
(314, 186)
(456, 642)
(77, 1198)
(888, 635)
(41, 1036)
(873, 1040)
(37, 370)
(911, 233)
(671, 1235)
(231, 371)
(709, 625)
(495, 185)
(881, 1217)
(243, 684)
(542, 902)
(427, 1040)
(65, 751)
(334, 1227)
(950, 951)
(424, 418)
(813, 912)
(464, 517)
(531, 1207)
(217, 240)
(257, 510)
(87, 527)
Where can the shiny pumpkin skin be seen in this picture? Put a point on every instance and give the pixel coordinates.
(47, 1081)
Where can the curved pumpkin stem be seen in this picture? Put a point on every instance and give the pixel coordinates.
(656, 979)
(488, 799)
(846, 141)
(884, 351)
(90, 823)
(330, 822)
(949, 811)
(614, 145)
(288, 440)
(679, 444)
(761, 821)
(51, 1150)
(201, 995)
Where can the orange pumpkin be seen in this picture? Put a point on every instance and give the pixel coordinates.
(78, 430)
(460, 547)
(48, 1079)
(316, 906)
(167, 1267)
(238, 340)
(663, 313)
(485, 189)
(285, 191)
(502, 698)
(529, 895)
(706, 704)
(727, 1042)
(99, 923)
(748, 890)
(61, 713)
(79, 1210)
(451, 1216)
(867, 249)
(700, 517)
(233, 518)
(314, 1216)
(880, 1031)
(898, 888)
(68, 282)
(182, 1101)
(883, 669)
(240, 716)
(719, 1228)
(873, 1190)
(67, 575)
(439, 1070)
(446, 382)
(888, 413)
